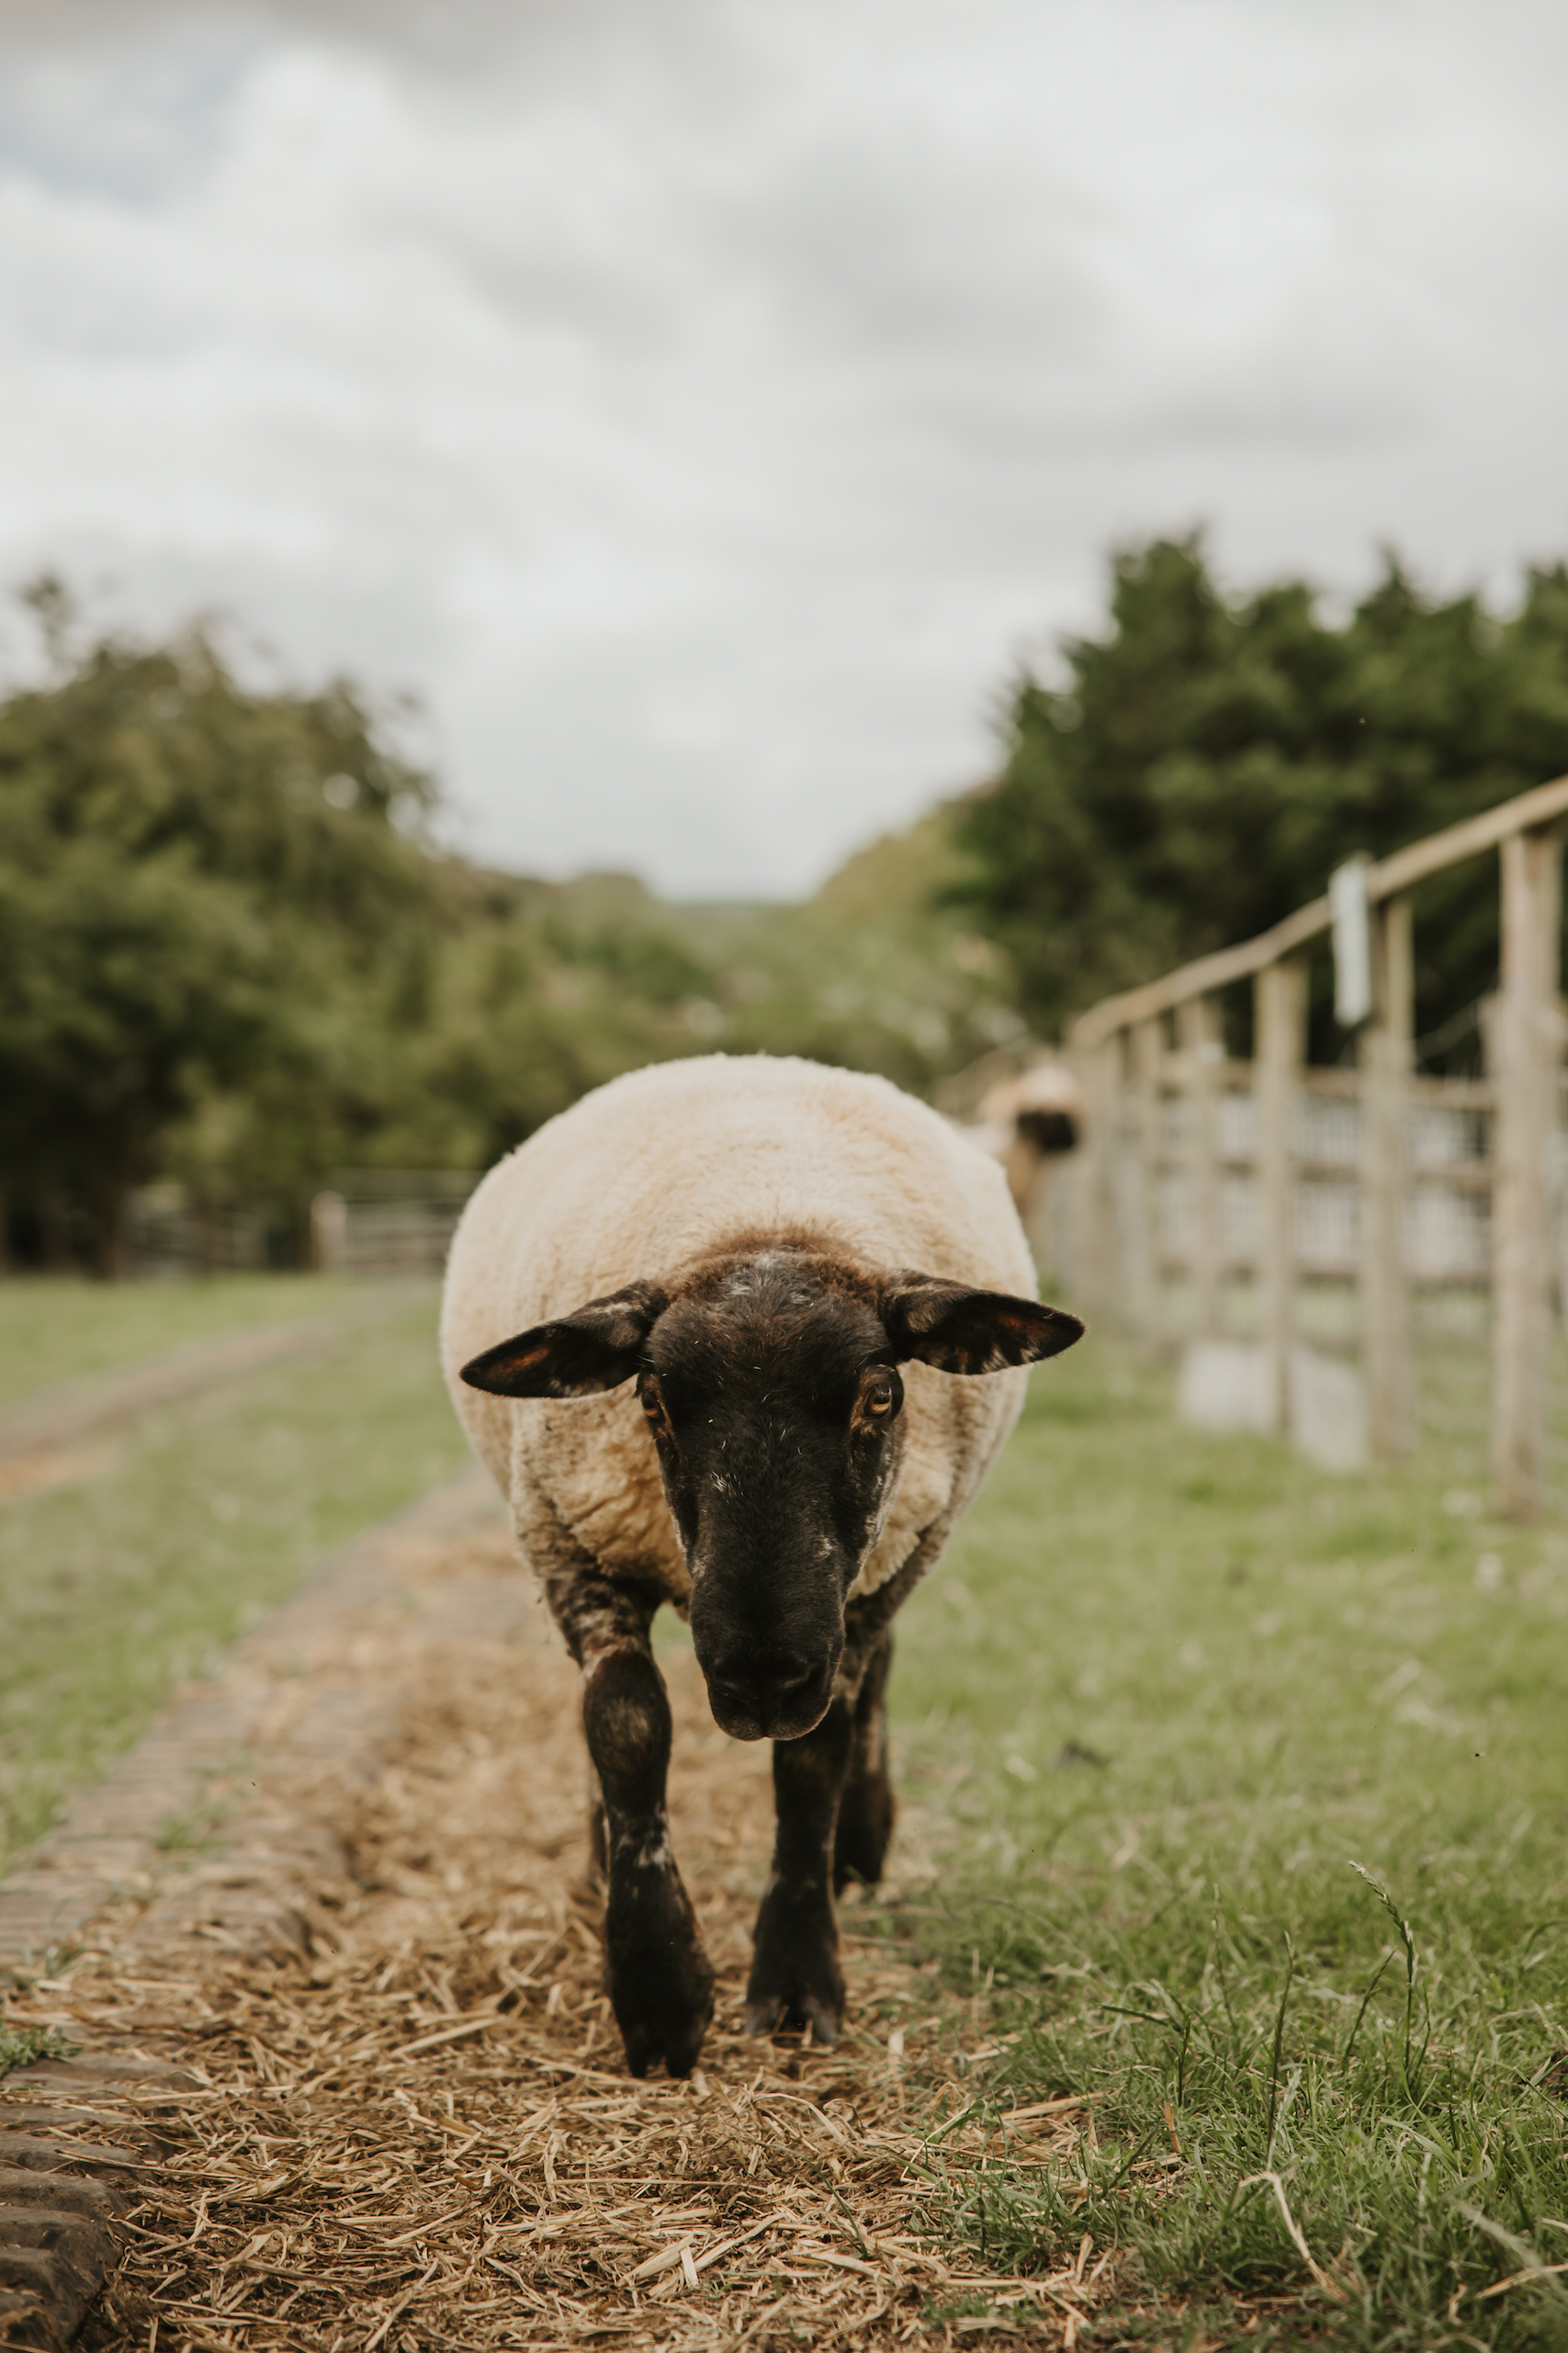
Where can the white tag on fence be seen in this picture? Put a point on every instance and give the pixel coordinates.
(1352, 942)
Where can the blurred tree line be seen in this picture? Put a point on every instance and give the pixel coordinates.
(1205, 762)
(232, 955)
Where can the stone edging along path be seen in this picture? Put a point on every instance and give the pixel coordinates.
(181, 1839)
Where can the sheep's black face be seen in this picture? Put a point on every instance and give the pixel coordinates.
(769, 1381)
(775, 1401)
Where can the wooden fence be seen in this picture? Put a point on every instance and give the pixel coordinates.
(167, 1234)
(387, 1221)
(1214, 1196)
(365, 1221)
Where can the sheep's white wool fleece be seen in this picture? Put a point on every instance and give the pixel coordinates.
(669, 1165)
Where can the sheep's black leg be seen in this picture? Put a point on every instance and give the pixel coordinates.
(841, 1767)
(659, 1980)
(866, 1806)
(794, 1967)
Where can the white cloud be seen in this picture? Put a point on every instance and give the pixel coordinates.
(701, 406)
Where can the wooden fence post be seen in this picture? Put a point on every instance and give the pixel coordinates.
(1145, 1288)
(1092, 1174)
(1527, 1031)
(1198, 1028)
(1279, 1022)
(1386, 1059)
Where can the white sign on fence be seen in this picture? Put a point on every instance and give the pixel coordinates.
(1352, 942)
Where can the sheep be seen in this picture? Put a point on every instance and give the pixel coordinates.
(1036, 1117)
(701, 1328)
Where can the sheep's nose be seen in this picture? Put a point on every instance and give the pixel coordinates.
(764, 1698)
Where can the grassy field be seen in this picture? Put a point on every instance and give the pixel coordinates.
(1172, 1689)
(65, 1331)
(1166, 1692)
(202, 1513)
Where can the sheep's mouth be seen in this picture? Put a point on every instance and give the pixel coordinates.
(747, 1711)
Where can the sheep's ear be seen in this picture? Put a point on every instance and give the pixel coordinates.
(960, 1330)
(578, 1355)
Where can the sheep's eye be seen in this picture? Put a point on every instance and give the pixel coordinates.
(650, 1404)
(879, 1400)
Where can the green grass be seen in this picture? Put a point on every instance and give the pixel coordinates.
(56, 1330)
(22, 2046)
(1275, 1675)
(210, 1513)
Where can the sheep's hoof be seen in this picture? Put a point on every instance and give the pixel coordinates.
(678, 2041)
(766, 2018)
(660, 1980)
(796, 1979)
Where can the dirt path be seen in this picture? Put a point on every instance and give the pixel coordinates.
(419, 2131)
(59, 1438)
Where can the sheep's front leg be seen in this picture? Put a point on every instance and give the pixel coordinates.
(835, 1818)
(661, 1982)
(660, 1979)
(866, 1806)
(794, 1967)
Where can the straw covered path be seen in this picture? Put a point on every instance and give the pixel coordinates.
(418, 2131)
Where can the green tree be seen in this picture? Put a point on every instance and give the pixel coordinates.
(120, 990)
(549, 991)
(1205, 762)
(207, 895)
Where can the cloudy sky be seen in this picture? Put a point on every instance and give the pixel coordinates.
(704, 405)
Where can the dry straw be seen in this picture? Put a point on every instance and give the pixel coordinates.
(423, 2135)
